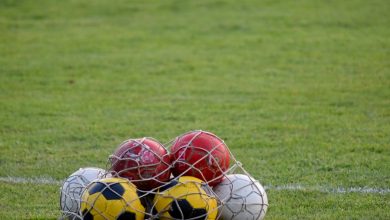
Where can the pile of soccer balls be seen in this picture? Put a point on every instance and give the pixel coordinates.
(198, 178)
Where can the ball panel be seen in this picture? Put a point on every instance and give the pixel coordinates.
(198, 214)
(181, 209)
(169, 185)
(113, 191)
(87, 215)
(96, 187)
(127, 216)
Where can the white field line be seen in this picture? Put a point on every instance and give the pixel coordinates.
(336, 190)
(32, 180)
(290, 187)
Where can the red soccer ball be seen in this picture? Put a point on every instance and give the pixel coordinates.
(200, 154)
(145, 162)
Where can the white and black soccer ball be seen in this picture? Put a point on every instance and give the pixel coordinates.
(73, 187)
(242, 197)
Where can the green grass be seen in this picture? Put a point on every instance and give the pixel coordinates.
(299, 90)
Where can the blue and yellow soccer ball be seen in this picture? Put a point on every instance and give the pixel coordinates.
(111, 198)
(185, 198)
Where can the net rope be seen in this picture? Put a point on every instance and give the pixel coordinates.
(221, 190)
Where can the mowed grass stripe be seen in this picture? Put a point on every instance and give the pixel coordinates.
(289, 187)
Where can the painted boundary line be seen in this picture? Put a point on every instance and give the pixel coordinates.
(290, 187)
(32, 180)
(337, 190)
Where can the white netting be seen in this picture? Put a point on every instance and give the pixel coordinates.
(195, 176)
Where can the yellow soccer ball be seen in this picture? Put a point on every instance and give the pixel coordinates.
(111, 198)
(185, 198)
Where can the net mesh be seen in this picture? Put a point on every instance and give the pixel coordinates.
(194, 176)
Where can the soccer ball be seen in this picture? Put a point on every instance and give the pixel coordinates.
(200, 154)
(72, 188)
(111, 198)
(242, 197)
(185, 198)
(145, 162)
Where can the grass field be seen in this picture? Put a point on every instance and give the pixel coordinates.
(299, 91)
